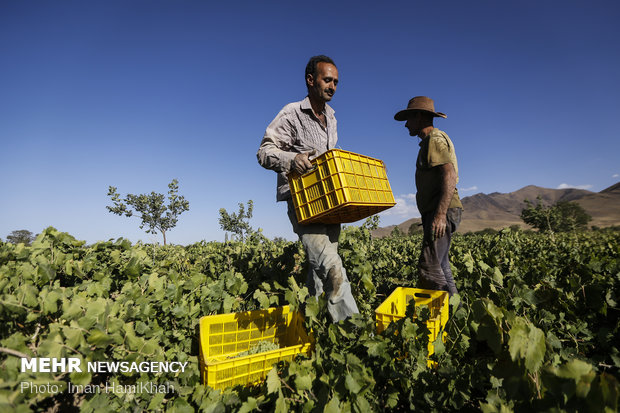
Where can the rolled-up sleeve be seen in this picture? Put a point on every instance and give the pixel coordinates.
(439, 151)
(276, 150)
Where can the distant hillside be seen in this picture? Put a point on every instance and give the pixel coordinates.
(498, 210)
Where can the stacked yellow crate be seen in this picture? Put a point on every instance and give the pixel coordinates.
(343, 187)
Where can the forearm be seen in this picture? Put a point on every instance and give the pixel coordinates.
(276, 149)
(270, 156)
(448, 185)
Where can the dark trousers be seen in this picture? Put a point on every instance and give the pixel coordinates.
(434, 264)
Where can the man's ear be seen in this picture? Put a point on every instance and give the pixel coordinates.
(310, 80)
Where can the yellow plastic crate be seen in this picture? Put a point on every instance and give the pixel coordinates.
(224, 336)
(394, 307)
(344, 187)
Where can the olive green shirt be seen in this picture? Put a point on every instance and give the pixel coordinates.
(437, 149)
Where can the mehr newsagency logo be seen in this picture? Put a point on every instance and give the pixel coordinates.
(76, 365)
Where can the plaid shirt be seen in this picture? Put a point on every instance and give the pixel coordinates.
(295, 130)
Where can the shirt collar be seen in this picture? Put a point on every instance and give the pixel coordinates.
(305, 105)
(428, 137)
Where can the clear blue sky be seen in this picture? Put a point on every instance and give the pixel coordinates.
(135, 93)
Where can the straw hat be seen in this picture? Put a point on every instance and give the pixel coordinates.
(418, 103)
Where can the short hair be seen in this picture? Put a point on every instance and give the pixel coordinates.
(312, 64)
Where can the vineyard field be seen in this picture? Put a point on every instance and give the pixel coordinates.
(535, 327)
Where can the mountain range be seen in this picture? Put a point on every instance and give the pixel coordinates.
(497, 210)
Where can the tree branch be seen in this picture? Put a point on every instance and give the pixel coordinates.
(14, 353)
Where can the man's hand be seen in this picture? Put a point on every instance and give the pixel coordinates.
(439, 226)
(301, 163)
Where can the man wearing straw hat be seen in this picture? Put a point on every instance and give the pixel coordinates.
(301, 130)
(436, 176)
